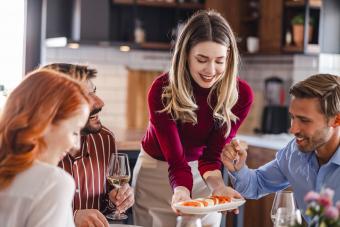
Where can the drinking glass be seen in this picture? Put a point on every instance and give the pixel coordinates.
(284, 207)
(118, 174)
(188, 221)
(285, 219)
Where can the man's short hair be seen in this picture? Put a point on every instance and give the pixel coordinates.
(78, 72)
(324, 87)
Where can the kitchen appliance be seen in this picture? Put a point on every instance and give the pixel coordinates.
(275, 117)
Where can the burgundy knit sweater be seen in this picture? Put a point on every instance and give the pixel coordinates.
(178, 143)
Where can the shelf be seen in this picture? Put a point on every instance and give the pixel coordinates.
(313, 48)
(293, 49)
(315, 3)
(190, 5)
(301, 3)
(162, 4)
(145, 45)
(157, 4)
(295, 3)
(310, 49)
(132, 45)
(123, 2)
(154, 45)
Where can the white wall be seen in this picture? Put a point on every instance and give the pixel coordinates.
(11, 45)
(112, 74)
(329, 63)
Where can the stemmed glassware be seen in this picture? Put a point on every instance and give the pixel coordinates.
(118, 174)
(188, 221)
(284, 211)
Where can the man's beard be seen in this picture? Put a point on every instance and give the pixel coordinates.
(89, 129)
(313, 142)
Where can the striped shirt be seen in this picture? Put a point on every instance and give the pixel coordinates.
(88, 169)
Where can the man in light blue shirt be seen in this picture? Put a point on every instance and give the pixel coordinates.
(311, 160)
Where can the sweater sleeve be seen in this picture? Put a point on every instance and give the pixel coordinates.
(168, 137)
(210, 160)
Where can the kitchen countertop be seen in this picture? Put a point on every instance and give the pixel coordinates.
(269, 141)
(129, 139)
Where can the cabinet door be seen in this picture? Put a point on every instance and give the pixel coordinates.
(57, 16)
(84, 20)
(230, 9)
(94, 18)
(270, 29)
(257, 212)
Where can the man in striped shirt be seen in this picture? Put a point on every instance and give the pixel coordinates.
(88, 165)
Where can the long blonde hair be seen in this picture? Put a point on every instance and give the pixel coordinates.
(178, 95)
(43, 98)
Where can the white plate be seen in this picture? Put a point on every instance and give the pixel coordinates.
(123, 225)
(216, 208)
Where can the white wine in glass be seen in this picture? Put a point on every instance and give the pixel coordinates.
(117, 181)
(283, 205)
(118, 174)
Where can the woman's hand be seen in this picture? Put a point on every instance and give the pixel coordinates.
(216, 184)
(181, 193)
(227, 191)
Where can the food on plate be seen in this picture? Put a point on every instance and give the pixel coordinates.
(207, 202)
(221, 199)
(192, 203)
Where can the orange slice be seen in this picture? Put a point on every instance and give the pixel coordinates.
(192, 203)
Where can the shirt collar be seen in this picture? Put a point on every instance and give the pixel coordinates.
(83, 149)
(336, 157)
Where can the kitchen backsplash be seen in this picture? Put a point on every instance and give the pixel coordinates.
(112, 66)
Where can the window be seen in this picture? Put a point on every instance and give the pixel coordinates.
(11, 44)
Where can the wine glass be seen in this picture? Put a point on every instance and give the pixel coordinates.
(118, 174)
(284, 208)
(284, 218)
(188, 221)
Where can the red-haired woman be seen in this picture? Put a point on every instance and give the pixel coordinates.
(41, 121)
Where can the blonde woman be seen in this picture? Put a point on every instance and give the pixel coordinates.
(195, 109)
(40, 123)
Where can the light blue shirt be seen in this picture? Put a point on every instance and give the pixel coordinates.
(292, 168)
